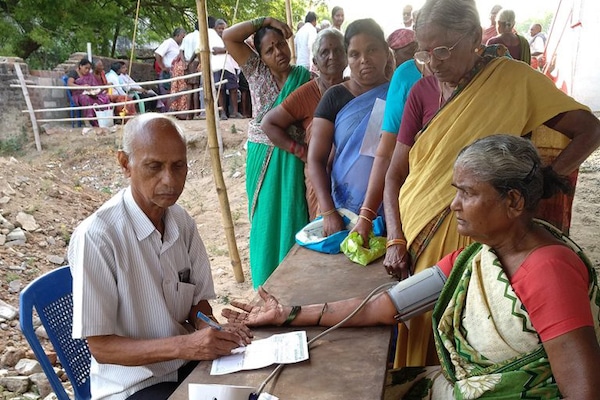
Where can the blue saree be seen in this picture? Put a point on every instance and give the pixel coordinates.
(350, 171)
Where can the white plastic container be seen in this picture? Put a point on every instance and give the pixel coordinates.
(104, 114)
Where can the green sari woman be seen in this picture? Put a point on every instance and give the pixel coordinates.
(274, 177)
(484, 337)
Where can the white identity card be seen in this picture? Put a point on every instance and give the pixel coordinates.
(282, 348)
(373, 131)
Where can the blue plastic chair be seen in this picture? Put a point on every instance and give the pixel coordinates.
(74, 113)
(52, 296)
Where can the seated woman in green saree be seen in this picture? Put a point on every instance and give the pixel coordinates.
(274, 177)
(517, 316)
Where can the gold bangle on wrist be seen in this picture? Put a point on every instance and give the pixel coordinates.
(394, 242)
(326, 213)
(369, 210)
(366, 219)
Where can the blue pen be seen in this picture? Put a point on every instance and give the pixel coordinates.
(209, 321)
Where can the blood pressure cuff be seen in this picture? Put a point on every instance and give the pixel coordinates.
(418, 293)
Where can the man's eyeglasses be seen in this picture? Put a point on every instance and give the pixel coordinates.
(441, 53)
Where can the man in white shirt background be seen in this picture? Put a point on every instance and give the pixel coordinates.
(537, 45)
(224, 67)
(304, 39)
(164, 55)
(189, 47)
(112, 77)
(538, 40)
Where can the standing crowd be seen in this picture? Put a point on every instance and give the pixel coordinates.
(473, 172)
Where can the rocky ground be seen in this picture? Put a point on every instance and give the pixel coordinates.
(43, 196)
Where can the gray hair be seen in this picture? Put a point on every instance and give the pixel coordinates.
(510, 162)
(220, 22)
(506, 16)
(177, 32)
(454, 15)
(325, 33)
(139, 124)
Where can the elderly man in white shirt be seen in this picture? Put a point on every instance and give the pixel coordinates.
(141, 274)
(165, 54)
(537, 43)
(304, 40)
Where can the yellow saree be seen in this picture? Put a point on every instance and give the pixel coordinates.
(507, 97)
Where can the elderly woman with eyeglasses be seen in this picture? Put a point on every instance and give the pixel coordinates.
(471, 94)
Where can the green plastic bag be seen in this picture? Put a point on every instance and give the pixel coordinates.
(353, 248)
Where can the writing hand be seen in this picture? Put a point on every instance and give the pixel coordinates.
(209, 343)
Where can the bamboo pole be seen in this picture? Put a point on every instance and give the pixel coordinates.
(36, 133)
(213, 143)
(290, 22)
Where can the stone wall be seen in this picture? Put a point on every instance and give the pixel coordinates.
(16, 125)
(13, 123)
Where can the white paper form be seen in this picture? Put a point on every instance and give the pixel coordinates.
(282, 348)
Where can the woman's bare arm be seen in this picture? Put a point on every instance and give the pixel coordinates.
(319, 149)
(374, 196)
(396, 258)
(575, 362)
(275, 125)
(583, 128)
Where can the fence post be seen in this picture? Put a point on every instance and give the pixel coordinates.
(36, 132)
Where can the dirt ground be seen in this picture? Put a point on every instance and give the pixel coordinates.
(76, 173)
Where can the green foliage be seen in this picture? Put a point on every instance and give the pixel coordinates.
(46, 32)
(13, 145)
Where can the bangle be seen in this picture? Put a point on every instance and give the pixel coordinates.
(321, 315)
(366, 219)
(257, 23)
(369, 210)
(393, 242)
(293, 147)
(326, 213)
(292, 316)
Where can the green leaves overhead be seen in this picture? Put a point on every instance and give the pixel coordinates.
(46, 32)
